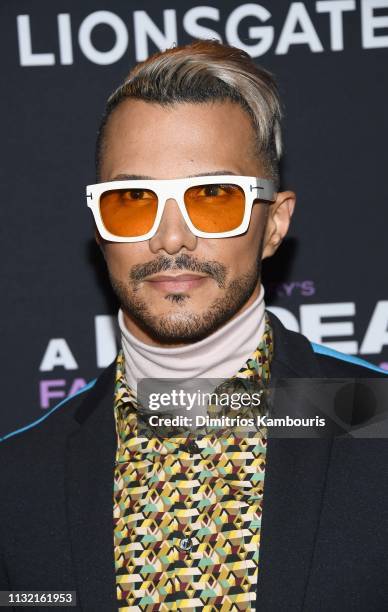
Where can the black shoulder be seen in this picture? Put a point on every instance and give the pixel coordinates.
(334, 363)
(295, 354)
(38, 447)
(58, 421)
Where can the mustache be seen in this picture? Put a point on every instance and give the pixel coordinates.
(216, 270)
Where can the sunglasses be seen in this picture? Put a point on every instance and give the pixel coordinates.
(212, 206)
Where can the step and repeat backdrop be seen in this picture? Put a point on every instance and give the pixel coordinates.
(60, 61)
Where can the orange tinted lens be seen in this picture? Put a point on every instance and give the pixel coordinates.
(215, 208)
(128, 212)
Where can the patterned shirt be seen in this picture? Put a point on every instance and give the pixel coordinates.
(187, 524)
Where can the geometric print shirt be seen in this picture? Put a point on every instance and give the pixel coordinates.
(187, 522)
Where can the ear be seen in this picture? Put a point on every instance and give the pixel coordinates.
(279, 217)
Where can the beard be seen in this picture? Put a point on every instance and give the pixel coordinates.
(182, 325)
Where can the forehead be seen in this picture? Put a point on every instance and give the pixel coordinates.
(177, 140)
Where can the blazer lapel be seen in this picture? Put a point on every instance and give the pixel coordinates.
(89, 487)
(294, 485)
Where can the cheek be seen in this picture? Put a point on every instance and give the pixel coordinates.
(238, 252)
(121, 257)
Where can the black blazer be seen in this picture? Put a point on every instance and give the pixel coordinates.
(324, 539)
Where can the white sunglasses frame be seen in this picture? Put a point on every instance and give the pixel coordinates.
(254, 188)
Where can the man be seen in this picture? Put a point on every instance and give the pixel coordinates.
(186, 208)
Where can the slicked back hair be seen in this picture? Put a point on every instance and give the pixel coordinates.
(206, 71)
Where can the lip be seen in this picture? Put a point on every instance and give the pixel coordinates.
(176, 283)
(173, 277)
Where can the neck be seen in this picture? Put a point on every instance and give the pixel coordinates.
(219, 355)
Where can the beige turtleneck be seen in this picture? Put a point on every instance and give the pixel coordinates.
(219, 355)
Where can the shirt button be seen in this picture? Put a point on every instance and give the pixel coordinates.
(186, 543)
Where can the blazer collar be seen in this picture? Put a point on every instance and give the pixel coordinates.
(293, 353)
(294, 485)
(295, 480)
(90, 459)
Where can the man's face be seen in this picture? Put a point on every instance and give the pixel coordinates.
(214, 279)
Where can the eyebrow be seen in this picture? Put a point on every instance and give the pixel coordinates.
(142, 177)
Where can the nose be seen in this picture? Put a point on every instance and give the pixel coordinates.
(173, 234)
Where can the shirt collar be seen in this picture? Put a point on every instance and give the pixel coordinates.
(257, 367)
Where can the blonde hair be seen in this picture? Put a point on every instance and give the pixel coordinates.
(206, 71)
